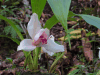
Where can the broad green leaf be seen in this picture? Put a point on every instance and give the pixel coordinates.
(70, 14)
(13, 39)
(91, 20)
(73, 72)
(12, 24)
(60, 9)
(38, 6)
(51, 22)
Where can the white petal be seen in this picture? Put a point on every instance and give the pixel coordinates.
(26, 45)
(50, 53)
(51, 37)
(33, 25)
(39, 34)
(47, 31)
(52, 46)
(99, 54)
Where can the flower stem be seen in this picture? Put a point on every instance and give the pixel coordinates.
(55, 62)
(37, 51)
(29, 58)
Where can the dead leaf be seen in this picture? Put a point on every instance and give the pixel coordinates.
(8, 72)
(98, 32)
(67, 58)
(17, 54)
(88, 53)
(43, 15)
(75, 32)
(75, 62)
(99, 3)
(76, 36)
(21, 63)
(58, 70)
(97, 65)
(72, 22)
(0, 57)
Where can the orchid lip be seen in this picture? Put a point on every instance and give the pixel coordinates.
(42, 38)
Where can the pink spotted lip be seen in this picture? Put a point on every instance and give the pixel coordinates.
(42, 39)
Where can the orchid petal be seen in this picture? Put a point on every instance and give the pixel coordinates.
(26, 45)
(50, 53)
(99, 52)
(47, 31)
(52, 46)
(34, 25)
(39, 34)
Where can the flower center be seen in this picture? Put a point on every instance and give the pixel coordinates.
(42, 39)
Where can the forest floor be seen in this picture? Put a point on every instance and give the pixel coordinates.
(83, 54)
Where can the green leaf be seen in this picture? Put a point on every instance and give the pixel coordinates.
(13, 25)
(91, 20)
(10, 30)
(60, 9)
(98, 73)
(13, 39)
(10, 60)
(70, 30)
(38, 6)
(73, 72)
(4, 6)
(51, 22)
(71, 14)
(68, 36)
(1, 0)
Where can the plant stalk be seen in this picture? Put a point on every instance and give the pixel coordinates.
(37, 51)
(55, 62)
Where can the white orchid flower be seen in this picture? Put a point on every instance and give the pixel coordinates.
(40, 38)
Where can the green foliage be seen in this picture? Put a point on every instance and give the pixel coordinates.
(98, 73)
(18, 73)
(73, 72)
(60, 8)
(9, 60)
(1, 0)
(91, 20)
(38, 6)
(8, 10)
(13, 25)
(70, 30)
(71, 14)
(10, 30)
(13, 39)
(51, 22)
